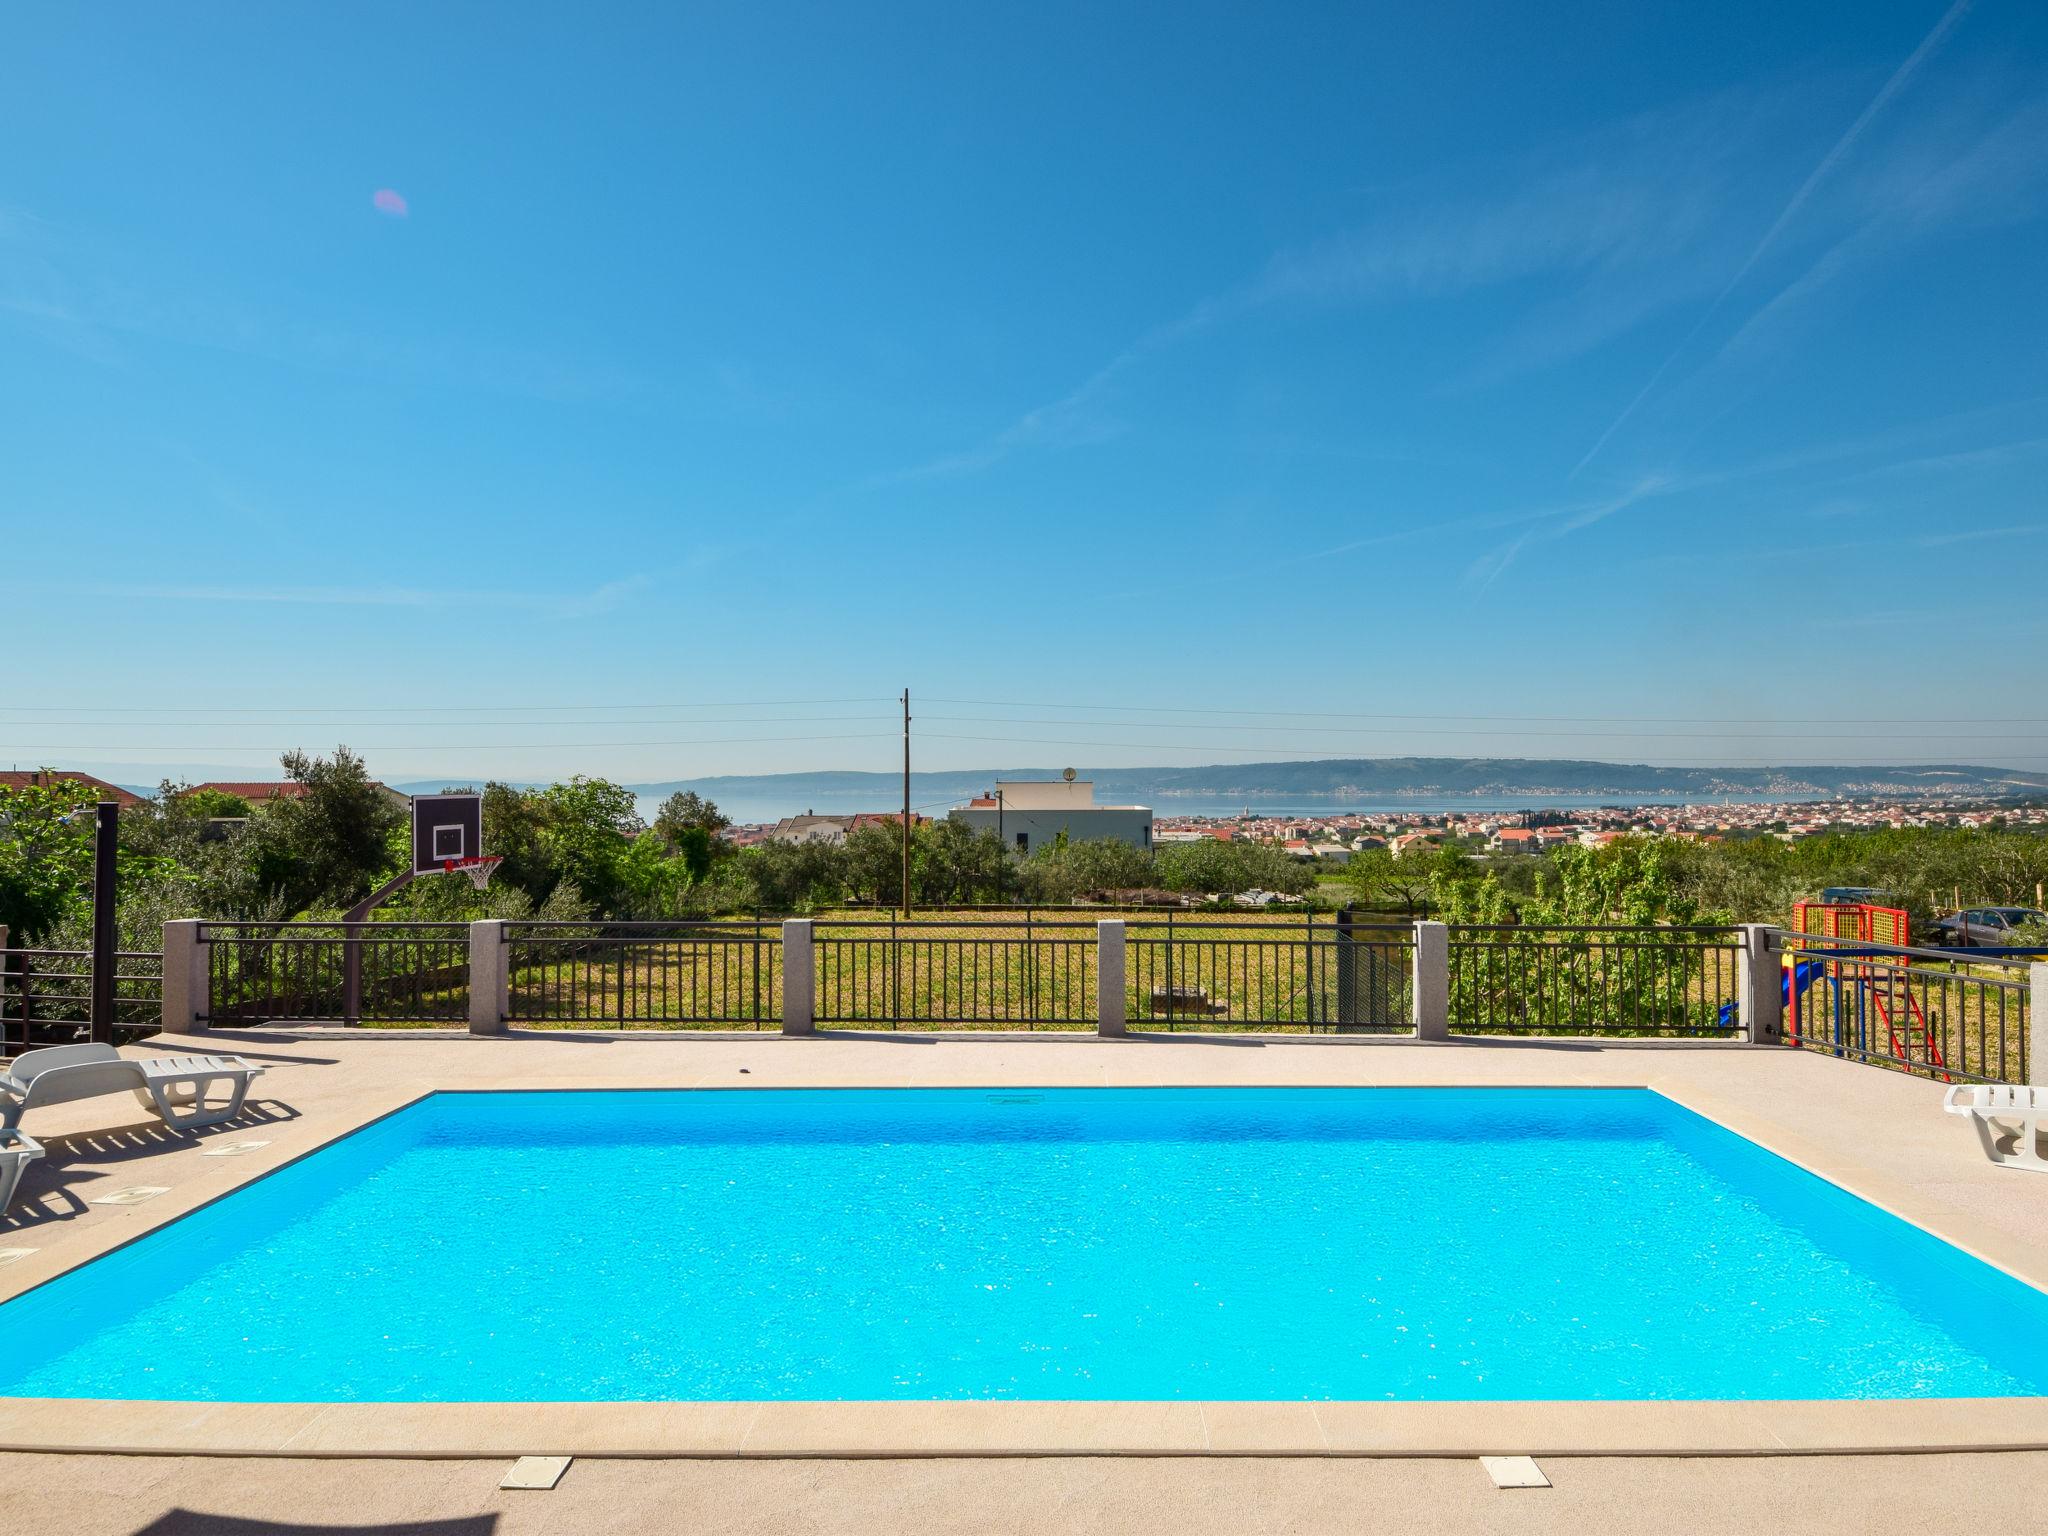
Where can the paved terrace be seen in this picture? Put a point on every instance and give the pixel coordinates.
(1100, 1466)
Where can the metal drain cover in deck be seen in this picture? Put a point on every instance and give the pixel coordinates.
(1514, 1472)
(135, 1196)
(234, 1148)
(536, 1472)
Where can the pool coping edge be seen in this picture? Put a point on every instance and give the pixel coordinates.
(956, 1429)
(949, 1428)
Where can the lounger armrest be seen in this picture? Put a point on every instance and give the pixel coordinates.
(9, 1083)
(200, 1066)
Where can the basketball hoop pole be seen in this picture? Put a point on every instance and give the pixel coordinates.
(352, 944)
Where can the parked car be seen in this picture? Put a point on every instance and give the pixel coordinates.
(1990, 926)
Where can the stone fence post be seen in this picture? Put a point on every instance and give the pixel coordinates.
(799, 978)
(2037, 1025)
(490, 977)
(187, 983)
(1760, 986)
(1109, 978)
(1432, 981)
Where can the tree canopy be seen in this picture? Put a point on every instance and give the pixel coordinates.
(577, 850)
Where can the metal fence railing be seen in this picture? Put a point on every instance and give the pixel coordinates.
(1943, 1014)
(342, 973)
(46, 994)
(1031, 974)
(1310, 973)
(1932, 1013)
(1594, 980)
(661, 974)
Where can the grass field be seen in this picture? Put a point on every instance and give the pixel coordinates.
(1215, 969)
(1281, 969)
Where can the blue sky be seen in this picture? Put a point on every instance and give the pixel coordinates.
(656, 390)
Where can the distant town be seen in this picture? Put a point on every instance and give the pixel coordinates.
(1027, 813)
(1337, 837)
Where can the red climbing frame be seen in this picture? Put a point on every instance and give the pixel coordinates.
(1862, 923)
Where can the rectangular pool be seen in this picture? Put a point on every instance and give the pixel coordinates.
(1210, 1243)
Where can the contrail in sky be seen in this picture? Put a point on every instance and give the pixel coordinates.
(1891, 88)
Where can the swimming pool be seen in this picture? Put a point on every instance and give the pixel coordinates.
(1212, 1243)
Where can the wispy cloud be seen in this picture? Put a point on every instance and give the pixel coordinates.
(1079, 416)
(1563, 522)
(1978, 535)
(600, 599)
(1622, 224)
(96, 299)
(1627, 197)
(1602, 202)
(1881, 453)
(1886, 94)
(1971, 173)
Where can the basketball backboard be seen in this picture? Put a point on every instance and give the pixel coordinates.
(447, 832)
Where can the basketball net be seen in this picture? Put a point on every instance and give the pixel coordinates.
(478, 870)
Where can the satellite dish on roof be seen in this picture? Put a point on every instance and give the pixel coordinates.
(1067, 774)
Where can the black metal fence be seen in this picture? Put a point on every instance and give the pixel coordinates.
(675, 975)
(1934, 1013)
(1603, 979)
(1309, 973)
(1925, 1012)
(1032, 974)
(336, 973)
(46, 994)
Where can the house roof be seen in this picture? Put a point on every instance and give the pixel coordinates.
(255, 789)
(29, 778)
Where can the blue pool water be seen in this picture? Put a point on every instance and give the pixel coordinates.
(1057, 1243)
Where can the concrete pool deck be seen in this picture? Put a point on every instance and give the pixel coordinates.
(1878, 1134)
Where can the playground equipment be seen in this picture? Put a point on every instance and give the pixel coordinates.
(1866, 991)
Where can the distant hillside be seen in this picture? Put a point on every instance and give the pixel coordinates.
(1356, 778)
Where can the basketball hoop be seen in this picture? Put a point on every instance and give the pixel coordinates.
(478, 870)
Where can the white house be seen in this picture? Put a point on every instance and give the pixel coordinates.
(1028, 814)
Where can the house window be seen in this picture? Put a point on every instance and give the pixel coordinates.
(1023, 842)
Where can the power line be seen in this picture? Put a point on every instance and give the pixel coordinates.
(354, 714)
(1381, 730)
(422, 709)
(1310, 714)
(1240, 749)
(325, 725)
(430, 746)
(1803, 730)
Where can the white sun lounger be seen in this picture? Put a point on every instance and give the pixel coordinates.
(181, 1089)
(17, 1151)
(2003, 1113)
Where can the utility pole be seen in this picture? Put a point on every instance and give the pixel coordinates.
(906, 802)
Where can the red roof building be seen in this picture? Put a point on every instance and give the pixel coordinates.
(258, 791)
(255, 791)
(888, 819)
(47, 777)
